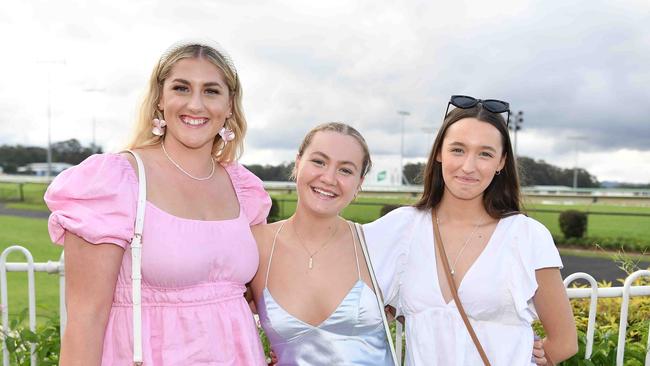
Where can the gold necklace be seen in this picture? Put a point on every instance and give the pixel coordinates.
(322, 246)
(183, 170)
(467, 240)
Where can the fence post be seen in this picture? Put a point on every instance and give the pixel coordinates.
(622, 327)
(591, 323)
(20, 192)
(63, 315)
(5, 304)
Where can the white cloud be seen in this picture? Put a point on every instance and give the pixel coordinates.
(575, 68)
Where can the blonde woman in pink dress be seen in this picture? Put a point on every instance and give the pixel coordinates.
(198, 251)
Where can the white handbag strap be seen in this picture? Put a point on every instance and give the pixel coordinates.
(136, 260)
(380, 300)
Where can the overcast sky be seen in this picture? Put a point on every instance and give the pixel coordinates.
(580, 71)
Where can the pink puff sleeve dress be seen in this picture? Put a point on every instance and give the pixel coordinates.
(194, 272)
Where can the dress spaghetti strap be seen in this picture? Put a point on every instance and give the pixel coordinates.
(268, 267)
(354, 245)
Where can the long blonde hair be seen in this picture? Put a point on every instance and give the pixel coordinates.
(142, 135)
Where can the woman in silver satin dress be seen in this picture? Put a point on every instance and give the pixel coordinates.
(313, 291)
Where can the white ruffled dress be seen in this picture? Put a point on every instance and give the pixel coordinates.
(496, 291)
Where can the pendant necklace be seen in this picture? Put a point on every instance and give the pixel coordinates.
(467, 240)
(183, 170)
(322, 246)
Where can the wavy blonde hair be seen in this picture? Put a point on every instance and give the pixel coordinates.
(142, 135)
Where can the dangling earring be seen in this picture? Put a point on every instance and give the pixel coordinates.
(158, 128)
(226, 133)
(497, 172)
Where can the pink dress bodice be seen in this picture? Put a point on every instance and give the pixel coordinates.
(194, 272)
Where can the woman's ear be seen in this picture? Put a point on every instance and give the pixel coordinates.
(502, 163)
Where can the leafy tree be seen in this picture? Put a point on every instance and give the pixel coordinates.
(278, 173)
(413, 172)
(69, 151)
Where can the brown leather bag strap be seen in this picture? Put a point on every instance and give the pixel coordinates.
(454, 290)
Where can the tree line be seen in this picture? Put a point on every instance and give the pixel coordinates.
(68, 151)
(532, 172)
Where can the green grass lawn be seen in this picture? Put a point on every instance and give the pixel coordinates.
(637, 227)
(31, 234)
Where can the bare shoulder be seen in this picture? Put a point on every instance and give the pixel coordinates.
(264, 232)
(145, 153)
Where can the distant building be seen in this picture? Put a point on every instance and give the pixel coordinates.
(40, 169)
(385, 171)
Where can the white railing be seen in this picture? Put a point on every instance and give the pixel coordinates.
(625, 292)
(595, 292)
(30, 267)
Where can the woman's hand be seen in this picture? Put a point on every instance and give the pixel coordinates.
(539, 356)
(274, 359)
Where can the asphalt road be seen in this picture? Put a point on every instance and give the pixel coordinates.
(599, 268)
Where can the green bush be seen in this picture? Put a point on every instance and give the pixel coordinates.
(387, 208)
(46, 338)
(573, 223)
(274, 213)
(619, 243)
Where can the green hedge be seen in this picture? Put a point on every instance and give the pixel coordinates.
(625, 244)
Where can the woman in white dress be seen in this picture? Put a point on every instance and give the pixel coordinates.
(503, 263)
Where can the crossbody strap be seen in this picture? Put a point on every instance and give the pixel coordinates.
(136, 260)
(454, 290)
(378, 296)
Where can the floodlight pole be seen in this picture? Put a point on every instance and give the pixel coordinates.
(575, 164)
(94, 90)
(49, 113)
(515, 125)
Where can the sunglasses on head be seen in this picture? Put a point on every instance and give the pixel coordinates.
(492, 105)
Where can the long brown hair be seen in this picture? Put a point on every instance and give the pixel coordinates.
(502, 196)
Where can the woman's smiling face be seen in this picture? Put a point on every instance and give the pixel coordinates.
(471, 154)
(195, 102)
(328, 174)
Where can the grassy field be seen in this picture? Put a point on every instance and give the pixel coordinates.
(31, 234)
(366, 209)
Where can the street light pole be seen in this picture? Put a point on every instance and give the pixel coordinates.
(94, 90)
(575, 165)
(515, 125)
(404, 114)
(49, 113)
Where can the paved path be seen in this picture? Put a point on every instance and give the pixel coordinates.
(600, 268)
(23, 213)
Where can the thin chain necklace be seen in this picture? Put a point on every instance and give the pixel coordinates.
(467, 240)
(322, 246)
(183, 170)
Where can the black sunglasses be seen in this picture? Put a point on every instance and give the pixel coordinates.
(492, 105)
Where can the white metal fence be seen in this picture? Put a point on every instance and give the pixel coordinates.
(594, 293)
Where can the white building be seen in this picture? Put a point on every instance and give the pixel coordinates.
(385, 171)
(40, 169)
